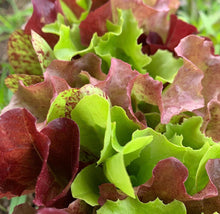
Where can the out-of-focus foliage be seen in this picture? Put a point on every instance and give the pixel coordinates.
(204, 14)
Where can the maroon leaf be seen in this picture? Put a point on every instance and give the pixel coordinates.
(167, 183)
(108, 191)
(71, 70)
(36, 98)
(21, 54)
(80, 207)
(97, 3)
(178, 30)
(45, 12)
(51, 211)
(74, 7)
(58, 173)
(23, 151)
(95, 22)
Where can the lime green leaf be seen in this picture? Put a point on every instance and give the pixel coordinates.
(134, 206)
(43, 50)
(91, 115)
(164, 66)
(67, 100)
(64, 48)
(125, 126)
(115, 171)
(123, 44)
(85, 185)
(16, 201)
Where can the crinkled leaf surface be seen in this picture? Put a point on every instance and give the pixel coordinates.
(115, 85)
(71, 70)
(66, 101)
(133, 206)
(108, 191)
(115, 43)
(123, 44)
(12, 81)
(202, 57)
(192, 147)
(184, 94)
(36, 98)
(144, 89)
(213, 126)
(150, 18)
(21, 54)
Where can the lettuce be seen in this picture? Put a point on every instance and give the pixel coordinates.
(115, 108)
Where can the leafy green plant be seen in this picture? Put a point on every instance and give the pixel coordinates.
(115, 108)
(10, 22)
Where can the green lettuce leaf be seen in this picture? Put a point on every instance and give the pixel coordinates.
(134, 206)
(119, 42)
(184, 142)
(85, 185)
(164, 66)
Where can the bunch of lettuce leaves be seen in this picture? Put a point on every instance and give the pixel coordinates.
(115, 108)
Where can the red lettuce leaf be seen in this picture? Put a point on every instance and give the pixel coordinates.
(72, 71)
(95, 22)
(44, 12)
(178, 29)
(58, 173)
(116, 85)
(36, 98)
(151, 18)
(76, 207)
(144, 88)
(201, 57)
(184, 94)
(21, 54)
(51, 211)
(167, 183)
(213, 127)
(108, 191)
(23, 151)
(74, 7)
(97, 3)
(80, 207)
